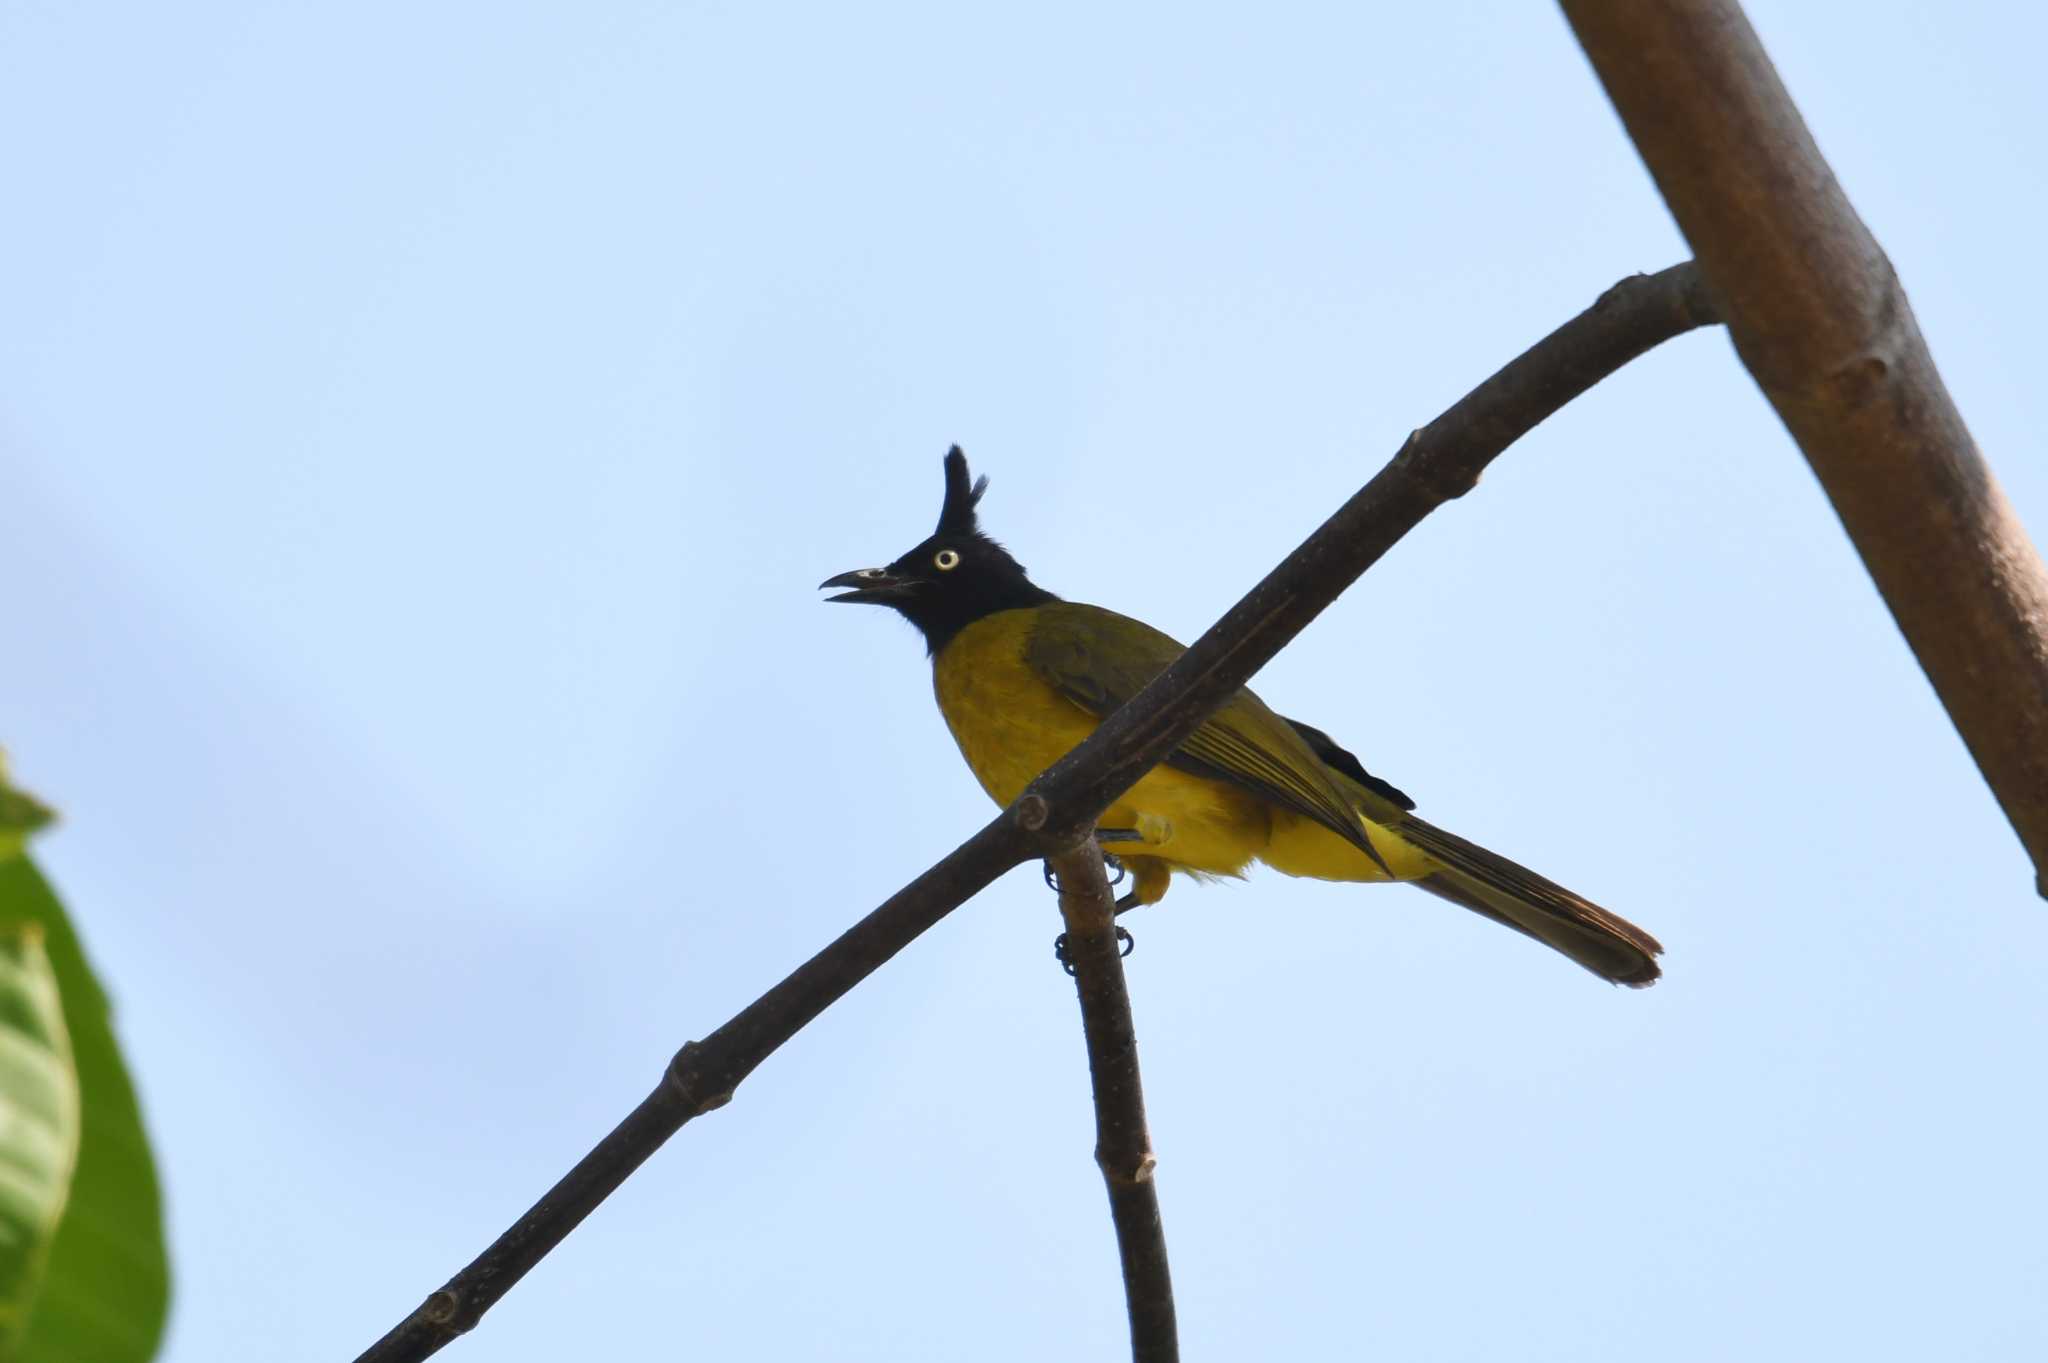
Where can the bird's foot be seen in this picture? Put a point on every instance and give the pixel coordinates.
(1126, 944)
(1110, 863)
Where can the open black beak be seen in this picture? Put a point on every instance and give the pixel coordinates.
(871, 586)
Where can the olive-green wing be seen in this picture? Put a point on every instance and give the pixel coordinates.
(1099, 659)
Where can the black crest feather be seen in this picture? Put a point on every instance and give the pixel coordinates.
(956, 517)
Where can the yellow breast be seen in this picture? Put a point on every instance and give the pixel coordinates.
(1011, 725)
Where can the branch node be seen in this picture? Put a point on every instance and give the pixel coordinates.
(1858, 382)
(684, 1078)
(1613, 294)
(1133, 1175)
(443, 1309)
(1031, 811)
(1442, 479)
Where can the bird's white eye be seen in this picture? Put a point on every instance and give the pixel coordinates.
(946, 560)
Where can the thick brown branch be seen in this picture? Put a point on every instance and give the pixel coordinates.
(1123, 1145)
(1819, 318)
(1440, 461)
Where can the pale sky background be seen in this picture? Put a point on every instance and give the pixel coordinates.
(422, 429)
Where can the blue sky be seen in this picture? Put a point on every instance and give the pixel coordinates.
(422, 431)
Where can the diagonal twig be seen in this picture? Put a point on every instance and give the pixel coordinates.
(1818, 316)
(1123, 1145)
(1441, 461)
(700, 1078)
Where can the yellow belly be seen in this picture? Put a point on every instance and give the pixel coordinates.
(1011, 726)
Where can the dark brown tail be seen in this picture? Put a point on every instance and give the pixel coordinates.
(1474, 878)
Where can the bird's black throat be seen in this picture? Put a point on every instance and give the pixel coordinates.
(940, 613)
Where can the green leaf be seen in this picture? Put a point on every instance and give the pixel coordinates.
(106, 1282)
(38, 1122)
(20, 815)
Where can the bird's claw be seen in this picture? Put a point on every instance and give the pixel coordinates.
(1126, 944)
(1110, 864)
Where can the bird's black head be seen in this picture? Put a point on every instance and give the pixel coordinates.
(953, 578)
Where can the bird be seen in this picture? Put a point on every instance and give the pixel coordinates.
(1023, 676)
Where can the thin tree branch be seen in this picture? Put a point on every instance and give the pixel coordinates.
(1818, 316)
(1440, 461)
(1123, 1145)
(702, 1077)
